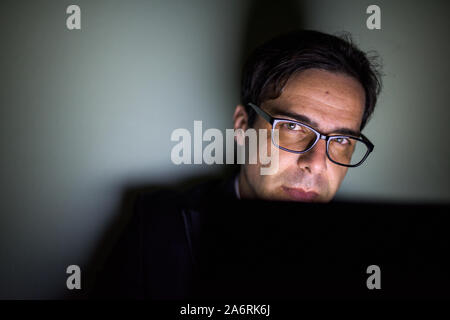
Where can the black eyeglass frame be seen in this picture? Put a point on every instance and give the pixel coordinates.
(273, 121)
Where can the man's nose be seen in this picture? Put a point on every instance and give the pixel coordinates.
(315, 160)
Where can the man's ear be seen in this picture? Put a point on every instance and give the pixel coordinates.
(240, 118)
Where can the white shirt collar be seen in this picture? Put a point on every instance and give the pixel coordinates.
(236, 186)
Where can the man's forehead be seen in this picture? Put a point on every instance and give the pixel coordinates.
(329, 100)
(323, 83)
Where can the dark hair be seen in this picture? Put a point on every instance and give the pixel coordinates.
(271, 65)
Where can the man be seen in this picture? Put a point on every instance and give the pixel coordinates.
(318, 80)
(317, 92)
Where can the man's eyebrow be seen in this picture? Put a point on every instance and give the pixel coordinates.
(306, 120)
(347, 132)
(295, 116)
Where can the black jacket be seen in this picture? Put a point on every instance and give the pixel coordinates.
(205, 244)
(157, 255)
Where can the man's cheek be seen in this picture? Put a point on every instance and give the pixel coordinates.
(268, 153)
(336, 179)
(287, 160)
(342, 173)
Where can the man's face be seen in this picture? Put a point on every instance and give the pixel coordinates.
(329, 102)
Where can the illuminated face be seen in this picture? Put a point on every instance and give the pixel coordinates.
(330, 102)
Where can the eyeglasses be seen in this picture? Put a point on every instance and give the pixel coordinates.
(297, 137)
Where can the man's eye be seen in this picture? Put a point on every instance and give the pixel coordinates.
(343, 141)
(293, 126)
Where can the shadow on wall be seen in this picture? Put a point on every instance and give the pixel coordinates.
(265, 19)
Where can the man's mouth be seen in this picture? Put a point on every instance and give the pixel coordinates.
(298, 194)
